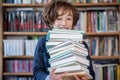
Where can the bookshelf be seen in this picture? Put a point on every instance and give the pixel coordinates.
(6, 5)
(17, 74)
(80, 6)
(25, 33)
(1, 38)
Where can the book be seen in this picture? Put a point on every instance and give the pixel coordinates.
(74, 58)
(69, 47)
(68, 36)
(65, 54)
(52, 44)
(74, 70)
(80, 74)
(64, 39)
(105, 71)
(66, 45)
(63, 31)
(71, 69)
(65, 34)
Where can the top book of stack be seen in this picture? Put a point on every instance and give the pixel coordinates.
(64, 35)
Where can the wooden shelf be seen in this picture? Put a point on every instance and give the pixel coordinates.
(25, 33)
(7, 5)
(17, 74)
(105, 57)
(96, 4)
(22, 5)
(102, 33)
(45, 33)
(31, 57)
(18, 57)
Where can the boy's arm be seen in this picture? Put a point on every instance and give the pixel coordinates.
(92, 73)
(39, 70)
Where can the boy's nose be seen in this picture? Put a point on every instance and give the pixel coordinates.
(63, 23)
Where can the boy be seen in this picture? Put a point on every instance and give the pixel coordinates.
(62, 15)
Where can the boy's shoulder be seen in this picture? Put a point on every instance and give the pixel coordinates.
(42, 38)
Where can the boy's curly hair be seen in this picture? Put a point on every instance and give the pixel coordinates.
(50, 12)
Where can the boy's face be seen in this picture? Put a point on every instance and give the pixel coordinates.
(64, 20)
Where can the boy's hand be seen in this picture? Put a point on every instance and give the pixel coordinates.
(54, 76)
(78, 78)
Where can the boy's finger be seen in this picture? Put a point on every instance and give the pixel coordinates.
(52, 71)
(63, 75)
(76, 77)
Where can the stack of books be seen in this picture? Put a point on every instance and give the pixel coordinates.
(66, 52)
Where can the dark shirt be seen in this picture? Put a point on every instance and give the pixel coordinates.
(41, 64)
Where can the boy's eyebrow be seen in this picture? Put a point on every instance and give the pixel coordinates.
(70, 14)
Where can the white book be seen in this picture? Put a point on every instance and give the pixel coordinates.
(68, 36)
(65, 34)
(66, 31)
(53, 43)
(38, 1)
(65, 54)
(26, 1)
(104, 65)
(69, 64)
(50, 44)
(65, 39)
(71, 68)
(71, 59)
(80, 74)
(14, 47)
(66, 43)
(30, 47)
(110, 46)
(69, 47)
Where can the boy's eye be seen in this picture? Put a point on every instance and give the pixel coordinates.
(59, 18)
(69, 18)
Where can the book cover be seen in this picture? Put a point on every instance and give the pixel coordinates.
(72, 68)
(69, 47)
(66, 54)
(69, 59)
(68, 34)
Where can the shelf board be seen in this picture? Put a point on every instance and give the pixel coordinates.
(96, 4)
(7, 5)
(18, 74)
(76, 5)
(18, 57)
(45, 33)
(105, 57)
(25, 33)
(102, 33)
(31, 57)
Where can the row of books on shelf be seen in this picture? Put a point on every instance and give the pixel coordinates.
(69, 55)
(47, 1)
(17, 78)
(107, 71)
(103, 46)
(27, 1)
(98, 21)
(98, 46)
(31, 21)
(24, 21)
(19, 47)
(17, 66)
